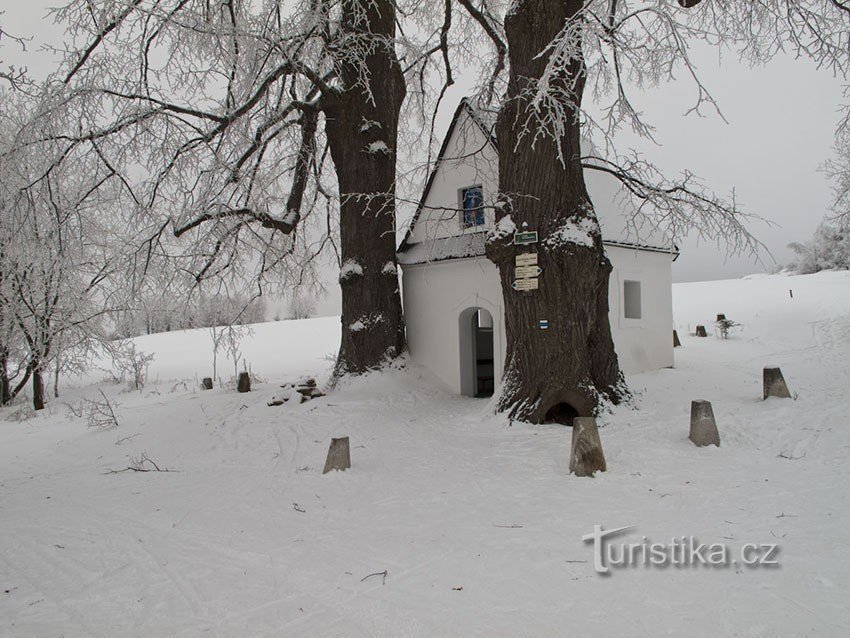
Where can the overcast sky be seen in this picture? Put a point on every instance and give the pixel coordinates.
(781, 121)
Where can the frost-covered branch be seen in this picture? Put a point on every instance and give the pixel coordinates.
(674, 208)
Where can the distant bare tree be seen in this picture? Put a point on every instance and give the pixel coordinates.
(56, 258)
(302, 304)
(828, 249)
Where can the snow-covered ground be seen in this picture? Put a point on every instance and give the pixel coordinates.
(477, 523)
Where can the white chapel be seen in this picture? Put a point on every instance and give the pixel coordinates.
(452, 294)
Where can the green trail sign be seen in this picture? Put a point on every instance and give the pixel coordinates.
(526, 237)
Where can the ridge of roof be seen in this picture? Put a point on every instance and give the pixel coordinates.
(471, 245)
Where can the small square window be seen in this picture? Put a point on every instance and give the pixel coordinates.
(631, 300)
(472, 204)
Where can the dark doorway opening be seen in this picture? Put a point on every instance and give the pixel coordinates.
(484, 360)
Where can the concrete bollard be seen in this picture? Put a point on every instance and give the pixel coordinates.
(586, 455)
(339, 455)
(244, 384)
(701, 331)
(676, 342)
(207, 383)
(703, 426)
(774, 384)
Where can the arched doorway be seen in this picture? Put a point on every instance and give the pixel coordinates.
(477, 360)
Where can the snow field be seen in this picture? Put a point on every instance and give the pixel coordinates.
(476, 522)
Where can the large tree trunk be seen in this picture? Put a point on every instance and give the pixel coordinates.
(37, 387)
(362, 135)
(567, 369)
(5, 382)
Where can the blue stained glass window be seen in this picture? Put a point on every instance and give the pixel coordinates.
(473, 206)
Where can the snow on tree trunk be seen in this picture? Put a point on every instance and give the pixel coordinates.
(362, 128)
(542, 188)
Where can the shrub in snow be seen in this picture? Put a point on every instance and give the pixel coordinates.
(130, 364)
(724, 325)
(100, 413)
(302, 304)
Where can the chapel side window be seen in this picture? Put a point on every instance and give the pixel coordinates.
(632, 307)
(472, 202)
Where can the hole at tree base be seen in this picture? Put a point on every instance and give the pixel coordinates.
(562, 413)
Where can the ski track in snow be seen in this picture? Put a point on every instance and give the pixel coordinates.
(441, 495)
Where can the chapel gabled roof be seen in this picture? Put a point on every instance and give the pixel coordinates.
(464, 106)
(457, 247)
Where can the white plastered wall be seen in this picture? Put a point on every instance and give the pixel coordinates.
(436, 294)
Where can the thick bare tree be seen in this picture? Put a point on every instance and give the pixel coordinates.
(362, 129)
(573, 362)
(223, 118)
(555, 51)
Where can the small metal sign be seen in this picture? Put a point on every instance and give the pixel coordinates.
(526, 272)
(527, 237)
(525, 284)
(526, 259)
(544, 324)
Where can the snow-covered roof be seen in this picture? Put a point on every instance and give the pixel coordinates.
(617, 226)
(473, 245)
(459, 247)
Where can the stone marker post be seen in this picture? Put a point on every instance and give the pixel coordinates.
(339, 455)
(774, 384)
(701, 331)
(676, 342)
(703, 426)
(207, 383)
(586, 455)
(244, 384)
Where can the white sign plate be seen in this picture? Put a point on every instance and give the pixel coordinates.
(526, 259)
(526, 272)
(525, 284)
